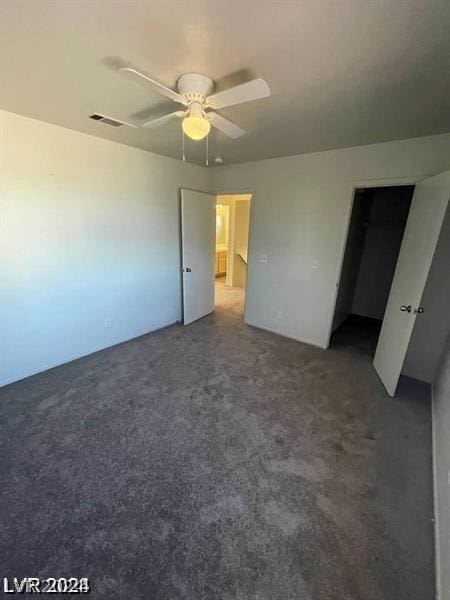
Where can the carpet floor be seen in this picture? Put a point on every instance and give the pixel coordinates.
(229, 299)
(219, 462)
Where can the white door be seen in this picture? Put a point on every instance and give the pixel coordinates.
(198, 241)
(426, 215)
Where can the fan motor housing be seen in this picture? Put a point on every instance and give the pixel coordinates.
(195, 87)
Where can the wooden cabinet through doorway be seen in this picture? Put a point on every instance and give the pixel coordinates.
(221, 262)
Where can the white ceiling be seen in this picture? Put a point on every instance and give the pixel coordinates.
(342, 72)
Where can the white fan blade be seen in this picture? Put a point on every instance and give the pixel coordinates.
(252, 90)
(155, 85)
(225, 126)
(165, 118)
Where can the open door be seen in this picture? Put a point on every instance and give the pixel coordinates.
(426, 215)
(198, 238)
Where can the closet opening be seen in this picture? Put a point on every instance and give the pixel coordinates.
(375, 234)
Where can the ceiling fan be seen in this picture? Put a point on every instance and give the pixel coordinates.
(194, 93)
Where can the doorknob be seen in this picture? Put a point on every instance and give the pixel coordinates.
(187, 269)
(419, 310)
(405, 308)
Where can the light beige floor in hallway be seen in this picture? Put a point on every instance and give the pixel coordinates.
(229, 298)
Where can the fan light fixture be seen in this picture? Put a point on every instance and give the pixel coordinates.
(195, 93)
(196, 127)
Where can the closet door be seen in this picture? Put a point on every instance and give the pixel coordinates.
(428, 207)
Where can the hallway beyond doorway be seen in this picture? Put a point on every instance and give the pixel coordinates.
(229, 298)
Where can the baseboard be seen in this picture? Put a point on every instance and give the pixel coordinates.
(437, 553)
(289, 337)
(339, 323)
(69, 359)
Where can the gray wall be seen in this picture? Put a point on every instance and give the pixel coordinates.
(386, 224)
(93, 236)
(432, 327)
(441, 439)
(90, 243)
(300, 213)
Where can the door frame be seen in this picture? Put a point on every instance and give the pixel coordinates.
(357, 185)
(240, 192)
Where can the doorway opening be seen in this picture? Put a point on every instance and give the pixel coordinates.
(231, 252)
(374, 237)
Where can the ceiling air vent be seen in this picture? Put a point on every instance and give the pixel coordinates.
(106, 120)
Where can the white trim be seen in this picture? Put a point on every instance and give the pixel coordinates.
(389, 181)
(285, 335)
(235, 192)
(78, 356)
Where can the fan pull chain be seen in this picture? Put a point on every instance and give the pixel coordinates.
(207, 150)
(184, 156)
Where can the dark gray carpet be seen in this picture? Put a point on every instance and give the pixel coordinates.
(217, 462)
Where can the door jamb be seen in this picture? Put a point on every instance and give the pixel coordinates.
(358, 184)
